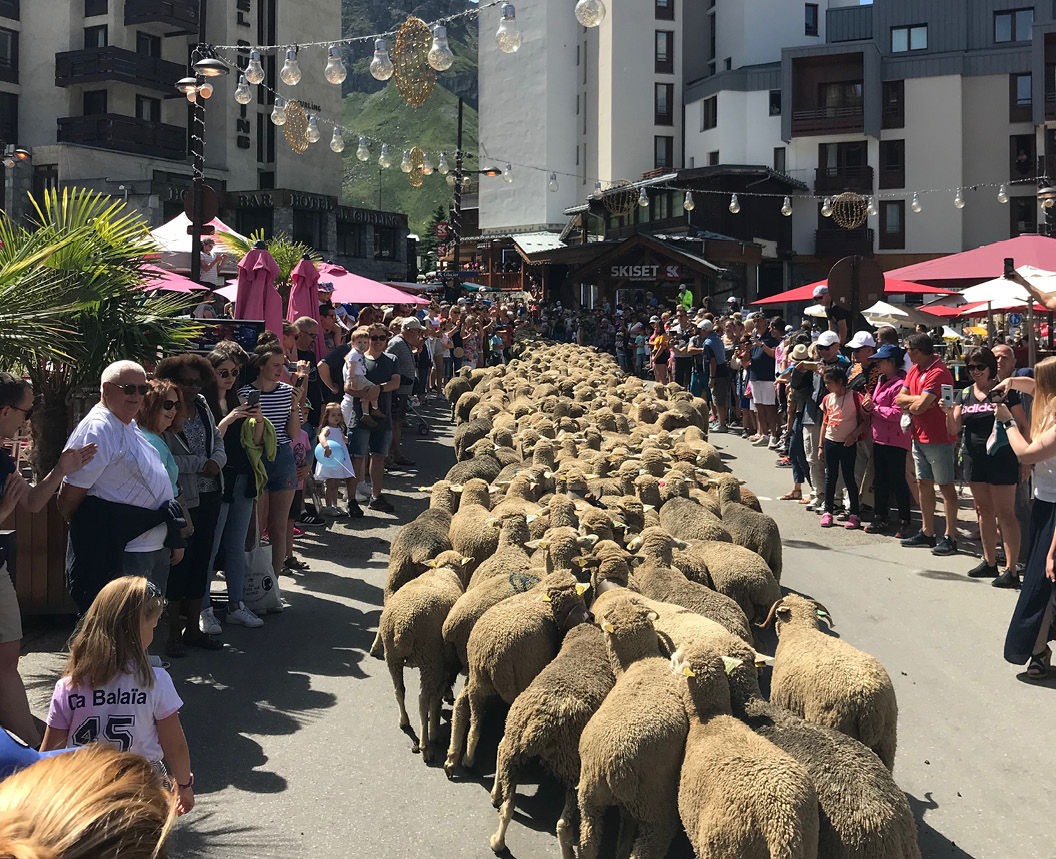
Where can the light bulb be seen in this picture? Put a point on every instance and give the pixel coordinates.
(278, 113)
(597, 195)
(1002, 194)
(688, 203)
(1047, 203)
(467, 184)
(405, 164)
(427, 166)
(440, 56)
(443, 167)
(552, 184)
(291, 72)
(335, 70)
(735, 204)
(384, 159)
(826, 207)
(362, 151)
(643, 199)
(507, 173)
(958, 200)
(786, 207)
(242, 93)
(313, 130)
(9, 162)
(206, 90)
(254, 71)
(381, 65)
(915, 205)
(192, 96)
(871, 208)
(590, 13)
(508, 37)
(451, 179)
(337, 142)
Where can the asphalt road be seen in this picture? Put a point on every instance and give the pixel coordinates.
(294, 731)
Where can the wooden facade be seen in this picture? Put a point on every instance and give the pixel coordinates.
(38, 560)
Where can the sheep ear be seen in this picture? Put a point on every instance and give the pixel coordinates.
(530, 518)
(582, 588)
(608, 627)
(730, 664)
(648, 506)
(825, 616)
(457, 488)
(494, 522)
(465, 559)
(661, 483)
(548, 474)
(635, 544)
(760, 659)
(532, 544)
(431, 563)
(587, 540)
(784, 611)
(641, 471)
(681, 544)
(653, 616)
(688, 672)
(533, 485)
(592, 476)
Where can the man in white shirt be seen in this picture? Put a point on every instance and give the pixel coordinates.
(211, 264)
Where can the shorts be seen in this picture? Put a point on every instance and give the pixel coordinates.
(10, 616)
(399, 406)
(763, 392)
(364, 440)
(721, 391)
(282, 471)
(934, 462)
(998, 469)
(662, 357)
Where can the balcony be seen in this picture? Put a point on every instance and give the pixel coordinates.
(182, 15)
(9, 9)
(125, 134)
(829, 120)
(836, 242)
(96, 65)
(1050, 104)
(835, 180)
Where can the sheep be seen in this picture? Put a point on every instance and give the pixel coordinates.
(420, 540)
(410, 630)
(518, 497)
(631, 749)
(755, 531)
(733, 570)
(469, 532)
(688, 520)
(470, 433)
(547, 720)
(510, 644)
(597, 523)
(465, 405)
(456, 387)
(482, 464)
(558, 549)
(474, 602)
(510, 555)
(739, 795)
(829, 682)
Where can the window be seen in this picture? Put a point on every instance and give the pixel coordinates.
(1013, 26)
(665, 52)
(913, 38)
(709, 113)
(1023, 213)
(577, 104)
(779, 159)
(577, 55)
(349, 239)
(148, 109)
(775, 102)
(663, 152)
(8, 116)
(894, 107)
(665, 94)
(309, 228)
(45, 178)
(713, 158)
(665, 10)
(94, 7)
(584, 113)
(1019, 97)
(810, 27)
(94, 102)
(148, 45)
(584, 63)
(384, 243)
(892, 225)
(711, 41)
(96, 37)
(265, 178)
(1022, 153)
(892, 164)
(728, 63)
(661, 205)
(8, 55)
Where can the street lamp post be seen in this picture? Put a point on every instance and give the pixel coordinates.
(11, 156)
(456, 212)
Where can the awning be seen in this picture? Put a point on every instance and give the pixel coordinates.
(169, 281)
(984, 263)
(892, 286)
(173, 237)
(532, 243)
(349, 288)
(898, 315)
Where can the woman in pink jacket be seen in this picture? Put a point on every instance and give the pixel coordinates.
(891, 443)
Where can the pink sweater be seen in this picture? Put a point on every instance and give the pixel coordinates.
(887, 428)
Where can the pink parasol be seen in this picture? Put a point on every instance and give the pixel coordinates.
(257, 297)
(304, 300)
(891, 287)
(355, 289)
(170, 281)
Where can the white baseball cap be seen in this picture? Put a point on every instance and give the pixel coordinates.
(860, 339)
(654, 318)
(819, 291)
(828, 338)
(705, 325)
(731, 300)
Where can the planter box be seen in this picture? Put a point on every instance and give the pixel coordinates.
(39, 560)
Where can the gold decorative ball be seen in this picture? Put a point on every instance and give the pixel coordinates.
(296, 127)
(414, 77)
(620, 198)
(417, 165)
(850, 210)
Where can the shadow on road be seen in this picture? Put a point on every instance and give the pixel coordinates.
(933, 844)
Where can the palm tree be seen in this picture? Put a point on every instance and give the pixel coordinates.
(71, 302)
(283, 249)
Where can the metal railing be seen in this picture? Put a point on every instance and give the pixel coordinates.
(125, 134)
(172, 13)
(828, 119)
(836, 179)
(111, 63)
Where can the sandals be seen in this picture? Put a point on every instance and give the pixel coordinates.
(1040, 665)
(806, 500)
(794, 495)
(294, 564)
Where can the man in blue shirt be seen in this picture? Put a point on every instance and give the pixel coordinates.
(716, 372)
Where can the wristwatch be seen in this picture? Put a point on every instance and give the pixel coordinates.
(1009, 423)
(189, 783)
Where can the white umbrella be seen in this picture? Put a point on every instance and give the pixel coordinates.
(898, 315)
(816, 310)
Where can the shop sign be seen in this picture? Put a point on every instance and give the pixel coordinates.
(668, 271)
(369, 216)
(443, 229)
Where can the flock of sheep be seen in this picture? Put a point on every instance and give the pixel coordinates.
(589, 561)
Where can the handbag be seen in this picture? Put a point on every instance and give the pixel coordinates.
(187, 529)
(458, 352)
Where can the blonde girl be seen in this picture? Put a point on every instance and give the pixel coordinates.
(332, 462)
(109, 692)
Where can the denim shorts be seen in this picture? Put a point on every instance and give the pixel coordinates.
(364, 440)
(934, 462)
(282, 471)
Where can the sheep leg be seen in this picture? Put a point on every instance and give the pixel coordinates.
(459, 716)
(376, 649)
(626, 834)
(505, 773)
(425, 704)
(396, 670)
(591, 811)
(653, 840)
(498, 840)
(477, 697)
(566, 824)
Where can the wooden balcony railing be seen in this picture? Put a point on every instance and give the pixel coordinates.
(125, 134)
(828, 120)
(110, 63)
(834, 180)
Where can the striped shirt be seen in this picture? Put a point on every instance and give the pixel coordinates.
(276, 407)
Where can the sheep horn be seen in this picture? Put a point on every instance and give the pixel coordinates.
(825, 614)
(770, 617)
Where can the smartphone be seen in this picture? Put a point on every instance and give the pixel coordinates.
(253, 398)
(300, 382)
(947, 396)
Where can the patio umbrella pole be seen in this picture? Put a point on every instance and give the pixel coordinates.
(990, 321)
(1031, 346)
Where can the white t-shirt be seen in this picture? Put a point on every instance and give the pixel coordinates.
(120, 713)
(126, 470)
(1045, 480)
(213, 275)
(357, 366)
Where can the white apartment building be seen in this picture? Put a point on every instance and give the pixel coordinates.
(88, 86)
(603, 103)
(883, 99)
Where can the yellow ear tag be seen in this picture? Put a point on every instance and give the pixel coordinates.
(608, 627)
(729, 664)
(688, 672)
(466, 560)
(545, 598)
(581, 588)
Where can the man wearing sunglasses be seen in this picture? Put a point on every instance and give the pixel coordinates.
(16, 407)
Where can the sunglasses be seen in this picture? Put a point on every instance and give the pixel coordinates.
(380, 339)
(131, 390)
(226, 374)
(27, 413)
(169, 405)
(190, 383)
(977, 368)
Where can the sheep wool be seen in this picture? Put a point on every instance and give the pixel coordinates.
(755, 531)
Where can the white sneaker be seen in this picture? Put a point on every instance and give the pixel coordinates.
(331, 510)
(363, 492)
(775, 442)
(208, 623)
(244, 617)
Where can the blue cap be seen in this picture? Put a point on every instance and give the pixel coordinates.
(889, 351)
(16, 755)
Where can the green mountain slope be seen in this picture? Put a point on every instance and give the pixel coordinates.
(384, 116)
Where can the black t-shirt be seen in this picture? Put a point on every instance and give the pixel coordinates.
(7, 468)
(977, 417)
(764, 366)
(380, 371)
(315, 387)
(335, 360)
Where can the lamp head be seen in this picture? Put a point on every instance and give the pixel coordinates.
(210, 67)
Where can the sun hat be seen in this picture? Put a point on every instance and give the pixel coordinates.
(891, 352)
(411, 323)
(800, 352)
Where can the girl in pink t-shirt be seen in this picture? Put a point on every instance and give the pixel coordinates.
(109, 693)
(843, 424)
